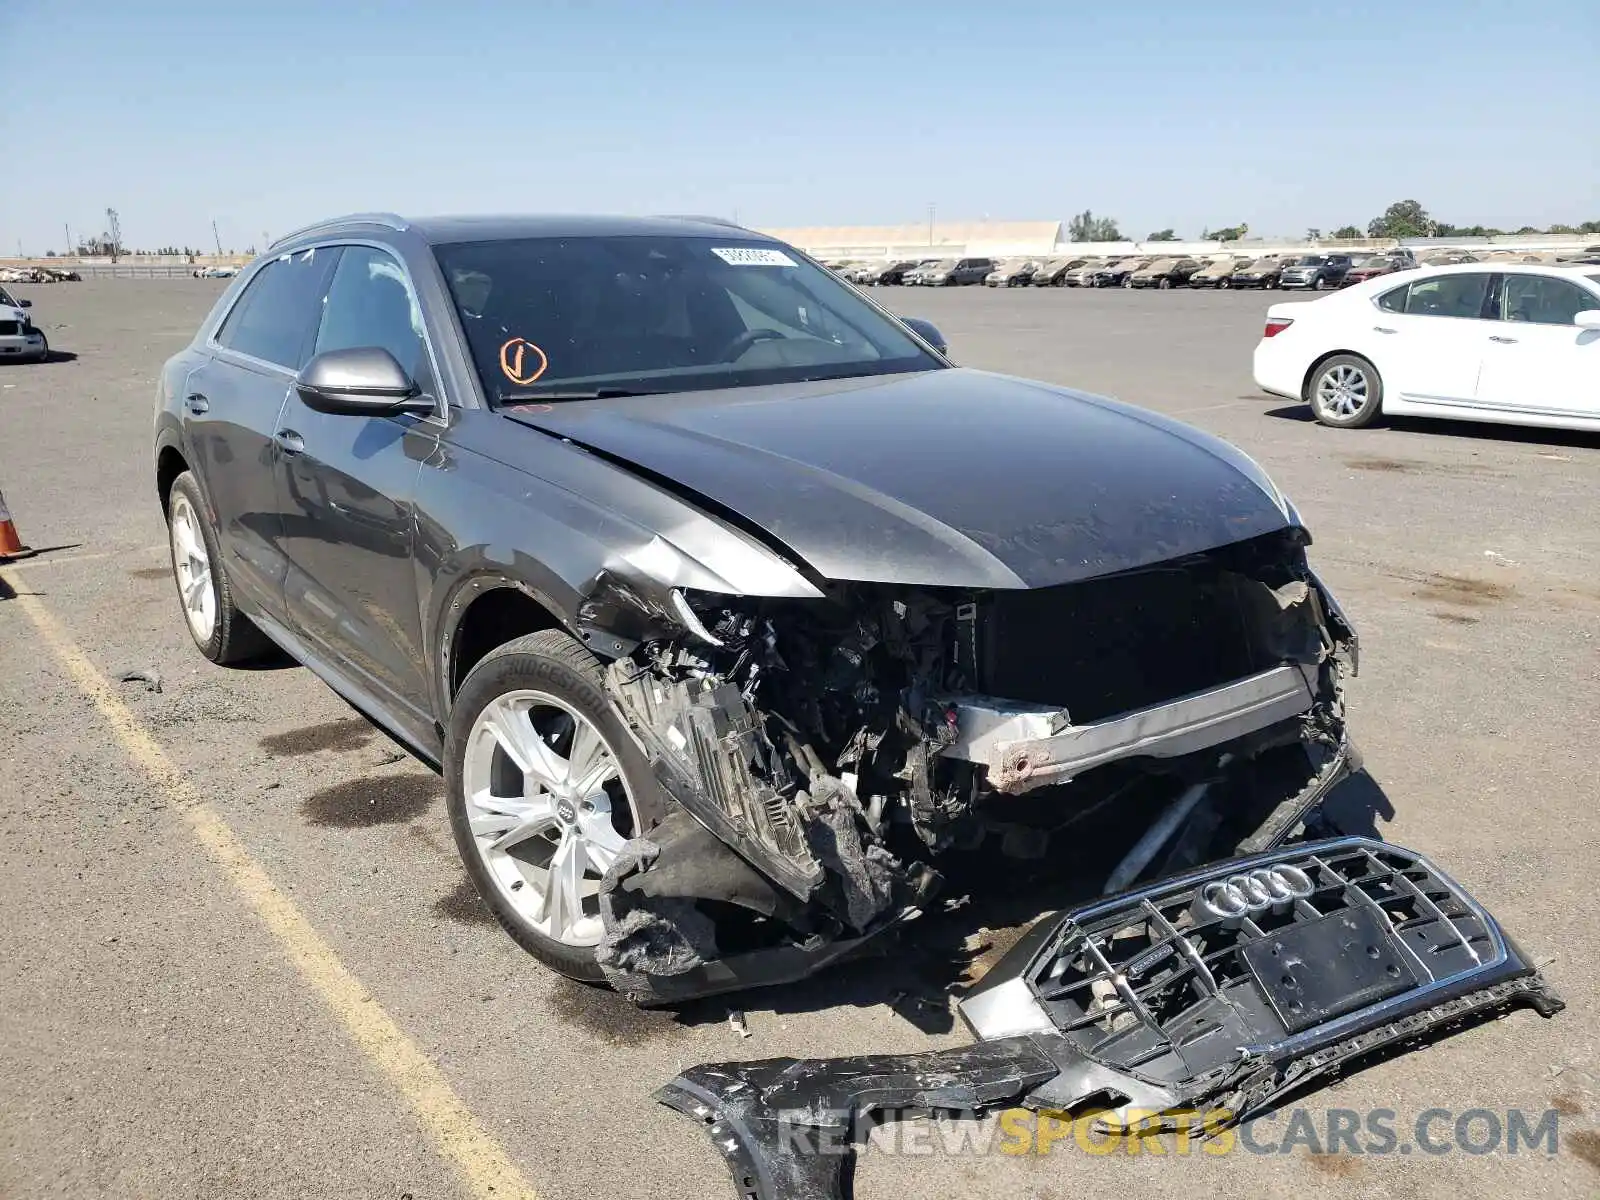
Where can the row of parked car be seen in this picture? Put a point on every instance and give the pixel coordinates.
(38, 275)
(1311, 272)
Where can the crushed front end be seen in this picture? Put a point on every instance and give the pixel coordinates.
(1220, 990)
(837, 749)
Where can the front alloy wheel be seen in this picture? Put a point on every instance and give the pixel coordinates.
(1346, 392)
(544, 799)
(545, 787)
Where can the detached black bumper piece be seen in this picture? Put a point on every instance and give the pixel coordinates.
(1221, 989)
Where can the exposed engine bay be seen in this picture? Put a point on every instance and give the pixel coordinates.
(839, 747)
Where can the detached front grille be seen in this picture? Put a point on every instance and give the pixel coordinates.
(1172, 981)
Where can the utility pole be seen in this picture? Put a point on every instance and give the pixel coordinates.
(68, 228)
(216, 237)
(114, 232)
(930, 224)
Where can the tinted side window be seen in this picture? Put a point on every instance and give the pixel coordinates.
(1542, 300)
(274, 318)
(370, 304)
(1448, 296)
(1394, 301)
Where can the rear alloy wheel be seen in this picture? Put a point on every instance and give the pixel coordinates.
(544, 787)
(223, 633)
(1346, 392)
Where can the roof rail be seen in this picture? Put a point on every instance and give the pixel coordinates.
(388, 220)
(707, 220)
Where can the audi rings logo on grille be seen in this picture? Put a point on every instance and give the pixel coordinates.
(1274, 887)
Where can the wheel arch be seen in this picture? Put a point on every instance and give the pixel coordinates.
(170, 463)
(486, 612)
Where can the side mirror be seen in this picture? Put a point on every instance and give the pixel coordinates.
(928, 332)
(364, 381)
(1589, 318)
(24, 303)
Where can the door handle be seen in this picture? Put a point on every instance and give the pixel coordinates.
(1504, 341)
(1383, 329)
(291, 441)
(196, 403)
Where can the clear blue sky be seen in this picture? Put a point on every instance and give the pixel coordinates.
(1283, 115)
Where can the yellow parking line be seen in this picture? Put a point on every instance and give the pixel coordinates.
(457, 1135)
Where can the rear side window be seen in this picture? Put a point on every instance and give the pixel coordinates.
(1448, 296)
(1542, 300)
(273, 320)
(1395, 300)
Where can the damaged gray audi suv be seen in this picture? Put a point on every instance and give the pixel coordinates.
(728, 606)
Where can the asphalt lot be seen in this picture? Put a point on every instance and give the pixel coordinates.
(159, 1038)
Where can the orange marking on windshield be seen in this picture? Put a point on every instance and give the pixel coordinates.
(515, 362)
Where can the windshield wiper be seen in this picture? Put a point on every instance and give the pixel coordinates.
(604, 393)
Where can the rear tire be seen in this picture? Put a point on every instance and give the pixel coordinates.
(541, 692)
(223, 633)
(1345, 392)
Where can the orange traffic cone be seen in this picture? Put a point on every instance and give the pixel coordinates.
(10, 544)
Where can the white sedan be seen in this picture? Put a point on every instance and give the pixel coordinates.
(1507, 342)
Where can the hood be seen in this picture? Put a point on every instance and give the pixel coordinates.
(947, 478)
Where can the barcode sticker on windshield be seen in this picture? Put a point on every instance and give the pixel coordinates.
(745, 256)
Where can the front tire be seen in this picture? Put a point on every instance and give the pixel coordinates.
(223, 633)
(1346, 392)
(44, 348)
(1318, 284)
(544, 785)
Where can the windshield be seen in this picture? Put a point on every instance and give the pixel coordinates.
(1309, 260)
(5, 298)
(661, 314)
(1376, 261)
